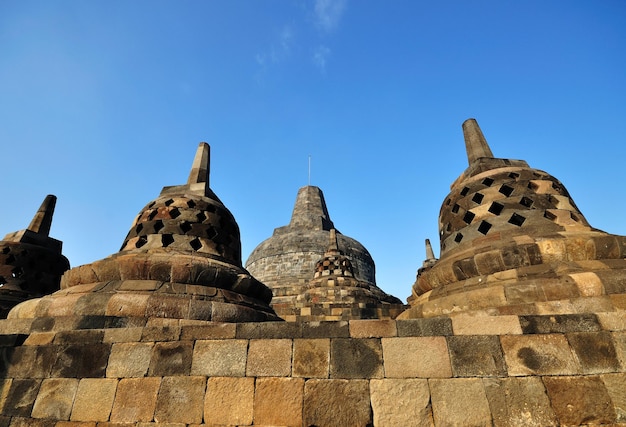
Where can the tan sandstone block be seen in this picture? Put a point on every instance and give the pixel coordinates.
(467, 324)
(588, 283)
(616, 386)
(401, 402)
(546, 354)
(128, 360)
(215, 358)
(40, 338)
(459, 402)
(269, 358)
(429, 357)
(55, 398)
(278, 401)
(373, 328)
(311, 358)
(337, 403)
(127, 305)
(135, 399)
(94, 399)
(122, 334)
(229, 401)
(75, 424)
(612, 321)
(180, 400)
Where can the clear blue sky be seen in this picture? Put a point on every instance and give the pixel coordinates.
(103, 103)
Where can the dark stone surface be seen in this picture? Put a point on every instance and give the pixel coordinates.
(79, 336)
(474, 355)
(82, 361)
(269, 330)
(356, 358)
(29, 361)
(338, 329)
(21, 397)
(559, 323)
(595, 351)
(171, 358)
(424, 327)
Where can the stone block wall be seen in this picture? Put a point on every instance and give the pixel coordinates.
(468, 369)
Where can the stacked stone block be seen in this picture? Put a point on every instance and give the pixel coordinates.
(539, 370)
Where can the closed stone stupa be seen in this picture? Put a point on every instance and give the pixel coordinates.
(514, 242)
(31, 262)
(286, 262)
(181, 260)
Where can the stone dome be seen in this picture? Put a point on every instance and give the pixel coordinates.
(512, 237)
(31, 262)
(286, 262)
(180, 259)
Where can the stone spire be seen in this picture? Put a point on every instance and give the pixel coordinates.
(430, 255)
(199, 175)
(42, 221)
(475, 142)
(310, 210)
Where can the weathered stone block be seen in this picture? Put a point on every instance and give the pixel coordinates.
(127, 305)
(55, 398)
(467, 324)
(614, 321)
(135, 399)
(82, 361)
(40, 338)
(595, 351)
(424, 327)
(519, 402)
(269, 330)
(94, 399)
(28, 361)
(616, 387)
(161, 330)
(476, 356)
(580, 400)
(538, 355)
(401, 402)
(18, 400)
(171, 358)
(559, 323)
(373, 328)
(339, 329)
(229, 401)
(278, 401)
(459, 402)
(208, 331)
(429, 357)
(311, 358)
(129, 360)
(180, 400)
(215, 358)
(337, 403)
(356, 358)
(126, 334)
(269, 358)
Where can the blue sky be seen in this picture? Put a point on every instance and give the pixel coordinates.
(104, 103)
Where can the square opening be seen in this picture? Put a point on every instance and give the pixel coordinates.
(496, 208)
(525, 201)
(468, 217)
(517, 219)
(487, 182)
(455, 208)
(478, 198)
(484, 227)
(458, 237)
(464, 191)
(514, 175)
(506, 190)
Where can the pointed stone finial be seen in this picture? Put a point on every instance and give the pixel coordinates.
(429, 250)
(475, 142)
(42, 221)
(201, 166)
(310, 212)
(333, 246)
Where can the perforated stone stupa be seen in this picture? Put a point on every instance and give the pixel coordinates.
(31, 262)
(181, 259)
(514, 242)
(286, 262)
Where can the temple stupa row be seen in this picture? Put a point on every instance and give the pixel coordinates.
(512, 241)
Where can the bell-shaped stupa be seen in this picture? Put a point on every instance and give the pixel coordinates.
(31, 262)
(181, 259)
(514, 242)
(287, 260)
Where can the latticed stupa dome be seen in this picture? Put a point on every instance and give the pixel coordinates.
(181, 259)
(31, 262)
(511, 236)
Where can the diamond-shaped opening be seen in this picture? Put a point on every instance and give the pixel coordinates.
(448, 227)
(549, 215)
(211, 233)
(575, 217)
(3, 281)
(517, 219)
(533, 186)
(484, 227)
(557, 187)
(478, 198)
(151, 204)
(506, 190)
(496, 208)
(142, 240)
(169, 202)
(468, 217)
(185, 226)
(166, 240)
(487, 182)
(175, 213)
(138, 228)
(525, 201)
(464, 191)
(191, 203)
(458, 237)
(152, 215)
(514, 175)
(201, 217)
(448, 202)
(158, 225)
(195, 244)
(455, 208)
(17, 272)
